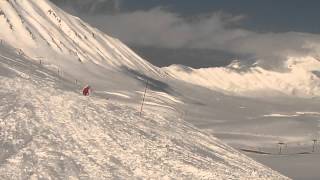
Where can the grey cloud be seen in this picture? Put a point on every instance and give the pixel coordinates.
(89, 6)
(218, 31)
(160, 28)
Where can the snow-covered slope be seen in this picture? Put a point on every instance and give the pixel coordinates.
(300, 78)
(41, 30)
(48, 130)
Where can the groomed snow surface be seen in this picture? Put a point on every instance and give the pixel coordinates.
(50, 131)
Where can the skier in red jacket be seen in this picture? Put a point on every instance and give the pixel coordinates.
(86, 91)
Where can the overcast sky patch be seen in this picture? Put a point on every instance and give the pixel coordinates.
(159, 27)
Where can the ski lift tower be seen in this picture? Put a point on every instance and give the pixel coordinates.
(40, 58)
(314, 144)
(280, 147)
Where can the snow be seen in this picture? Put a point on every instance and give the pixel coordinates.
(308, 113)
(117, 94)
(48, 130)
(280, 115)
(62, 39)
(67, 43)
(295, 114)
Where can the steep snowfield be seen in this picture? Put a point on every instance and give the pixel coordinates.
(40, 30)
(48, 130)
(300, 79)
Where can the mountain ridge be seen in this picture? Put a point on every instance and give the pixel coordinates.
(45, 28)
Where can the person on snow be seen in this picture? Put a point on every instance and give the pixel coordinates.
(86, 90)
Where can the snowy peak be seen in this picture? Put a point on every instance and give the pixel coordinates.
(39, 28)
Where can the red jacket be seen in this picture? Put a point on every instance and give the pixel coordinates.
(86, 91)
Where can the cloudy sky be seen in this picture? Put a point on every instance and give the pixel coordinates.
(207, 32)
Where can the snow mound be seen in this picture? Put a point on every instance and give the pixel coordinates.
(300, 79)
